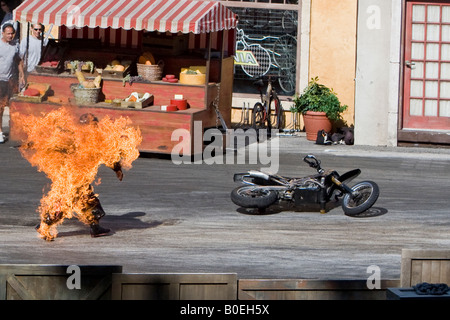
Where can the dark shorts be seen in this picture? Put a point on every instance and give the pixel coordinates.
(6, 91)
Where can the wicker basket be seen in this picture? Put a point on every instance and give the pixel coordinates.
(151, 72)
(85, 96)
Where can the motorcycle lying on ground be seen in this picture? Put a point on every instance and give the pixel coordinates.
(260, 190)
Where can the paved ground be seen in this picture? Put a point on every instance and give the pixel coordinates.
(179, 218)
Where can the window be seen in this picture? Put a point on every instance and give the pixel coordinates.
(266, 45)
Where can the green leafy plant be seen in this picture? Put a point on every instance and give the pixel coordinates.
(317, 97)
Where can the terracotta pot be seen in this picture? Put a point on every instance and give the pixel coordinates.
(315, 121)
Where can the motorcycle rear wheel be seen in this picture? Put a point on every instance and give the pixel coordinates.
(368, 192)
(249, 197)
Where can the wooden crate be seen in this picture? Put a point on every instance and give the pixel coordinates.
(38, 99)
(113, 74)
(49, 282)
(174, 286)
(311, 289)
(138, 105)
(49, 70)
(53, 51)
(432, 266)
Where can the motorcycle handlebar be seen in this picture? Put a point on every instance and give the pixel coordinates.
(312, 161)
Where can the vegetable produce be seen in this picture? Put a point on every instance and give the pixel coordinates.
(50, 64)
(31, 92)
(79, 65)
(147, 58)
(42, 88)
(80, 76)
(131, 79)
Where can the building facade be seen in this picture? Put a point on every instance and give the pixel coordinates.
(388, 60)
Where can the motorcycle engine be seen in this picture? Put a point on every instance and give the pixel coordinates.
(306, 195)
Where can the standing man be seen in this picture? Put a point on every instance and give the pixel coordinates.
(31, 47)
(9, 55)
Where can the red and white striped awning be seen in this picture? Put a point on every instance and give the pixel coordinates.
(186, 16)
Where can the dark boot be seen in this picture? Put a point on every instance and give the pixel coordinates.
(98, 211)
(97, 231)
(93, 204)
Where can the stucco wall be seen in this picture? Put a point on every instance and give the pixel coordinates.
(377, 72)
(333, 48)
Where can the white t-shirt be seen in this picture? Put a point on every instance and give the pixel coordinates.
(34, 52)
(8, 53)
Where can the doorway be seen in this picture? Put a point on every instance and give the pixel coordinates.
(426, 97)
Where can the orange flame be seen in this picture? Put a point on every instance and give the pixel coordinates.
(70, 154)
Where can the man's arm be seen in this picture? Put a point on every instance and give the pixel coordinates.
(21, 74)
(118, 170)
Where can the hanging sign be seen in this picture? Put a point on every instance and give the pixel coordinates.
(245, 58)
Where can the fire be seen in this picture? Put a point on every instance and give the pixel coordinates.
(70, 150)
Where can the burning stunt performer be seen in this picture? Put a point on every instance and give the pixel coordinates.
(69, 151)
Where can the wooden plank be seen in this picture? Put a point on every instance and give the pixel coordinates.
(435, 271)
(226, 89)
(18, 288)
(421, 136)
(416, 272)
(99, 290)
(445, 272)
(425, 275)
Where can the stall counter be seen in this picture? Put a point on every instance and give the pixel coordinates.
(156, 125)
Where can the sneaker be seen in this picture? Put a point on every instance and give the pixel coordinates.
(2, 138)
(97, 231)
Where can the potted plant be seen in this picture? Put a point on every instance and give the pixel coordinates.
(319, 106)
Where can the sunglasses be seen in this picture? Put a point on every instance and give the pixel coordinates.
(37, 29)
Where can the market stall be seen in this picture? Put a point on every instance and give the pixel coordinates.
(163, 63)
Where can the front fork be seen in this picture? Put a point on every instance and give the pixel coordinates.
(341, 185)
(323, 192)
(323, 197)
(345, 188)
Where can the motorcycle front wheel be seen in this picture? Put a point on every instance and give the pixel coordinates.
(251, 197)
(365, 195)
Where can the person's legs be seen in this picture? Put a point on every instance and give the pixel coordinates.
(2, 139)
(47, 227)
(4, 88)
(5, 93)
(91, 213)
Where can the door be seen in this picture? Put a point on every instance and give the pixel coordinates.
(427, 71)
